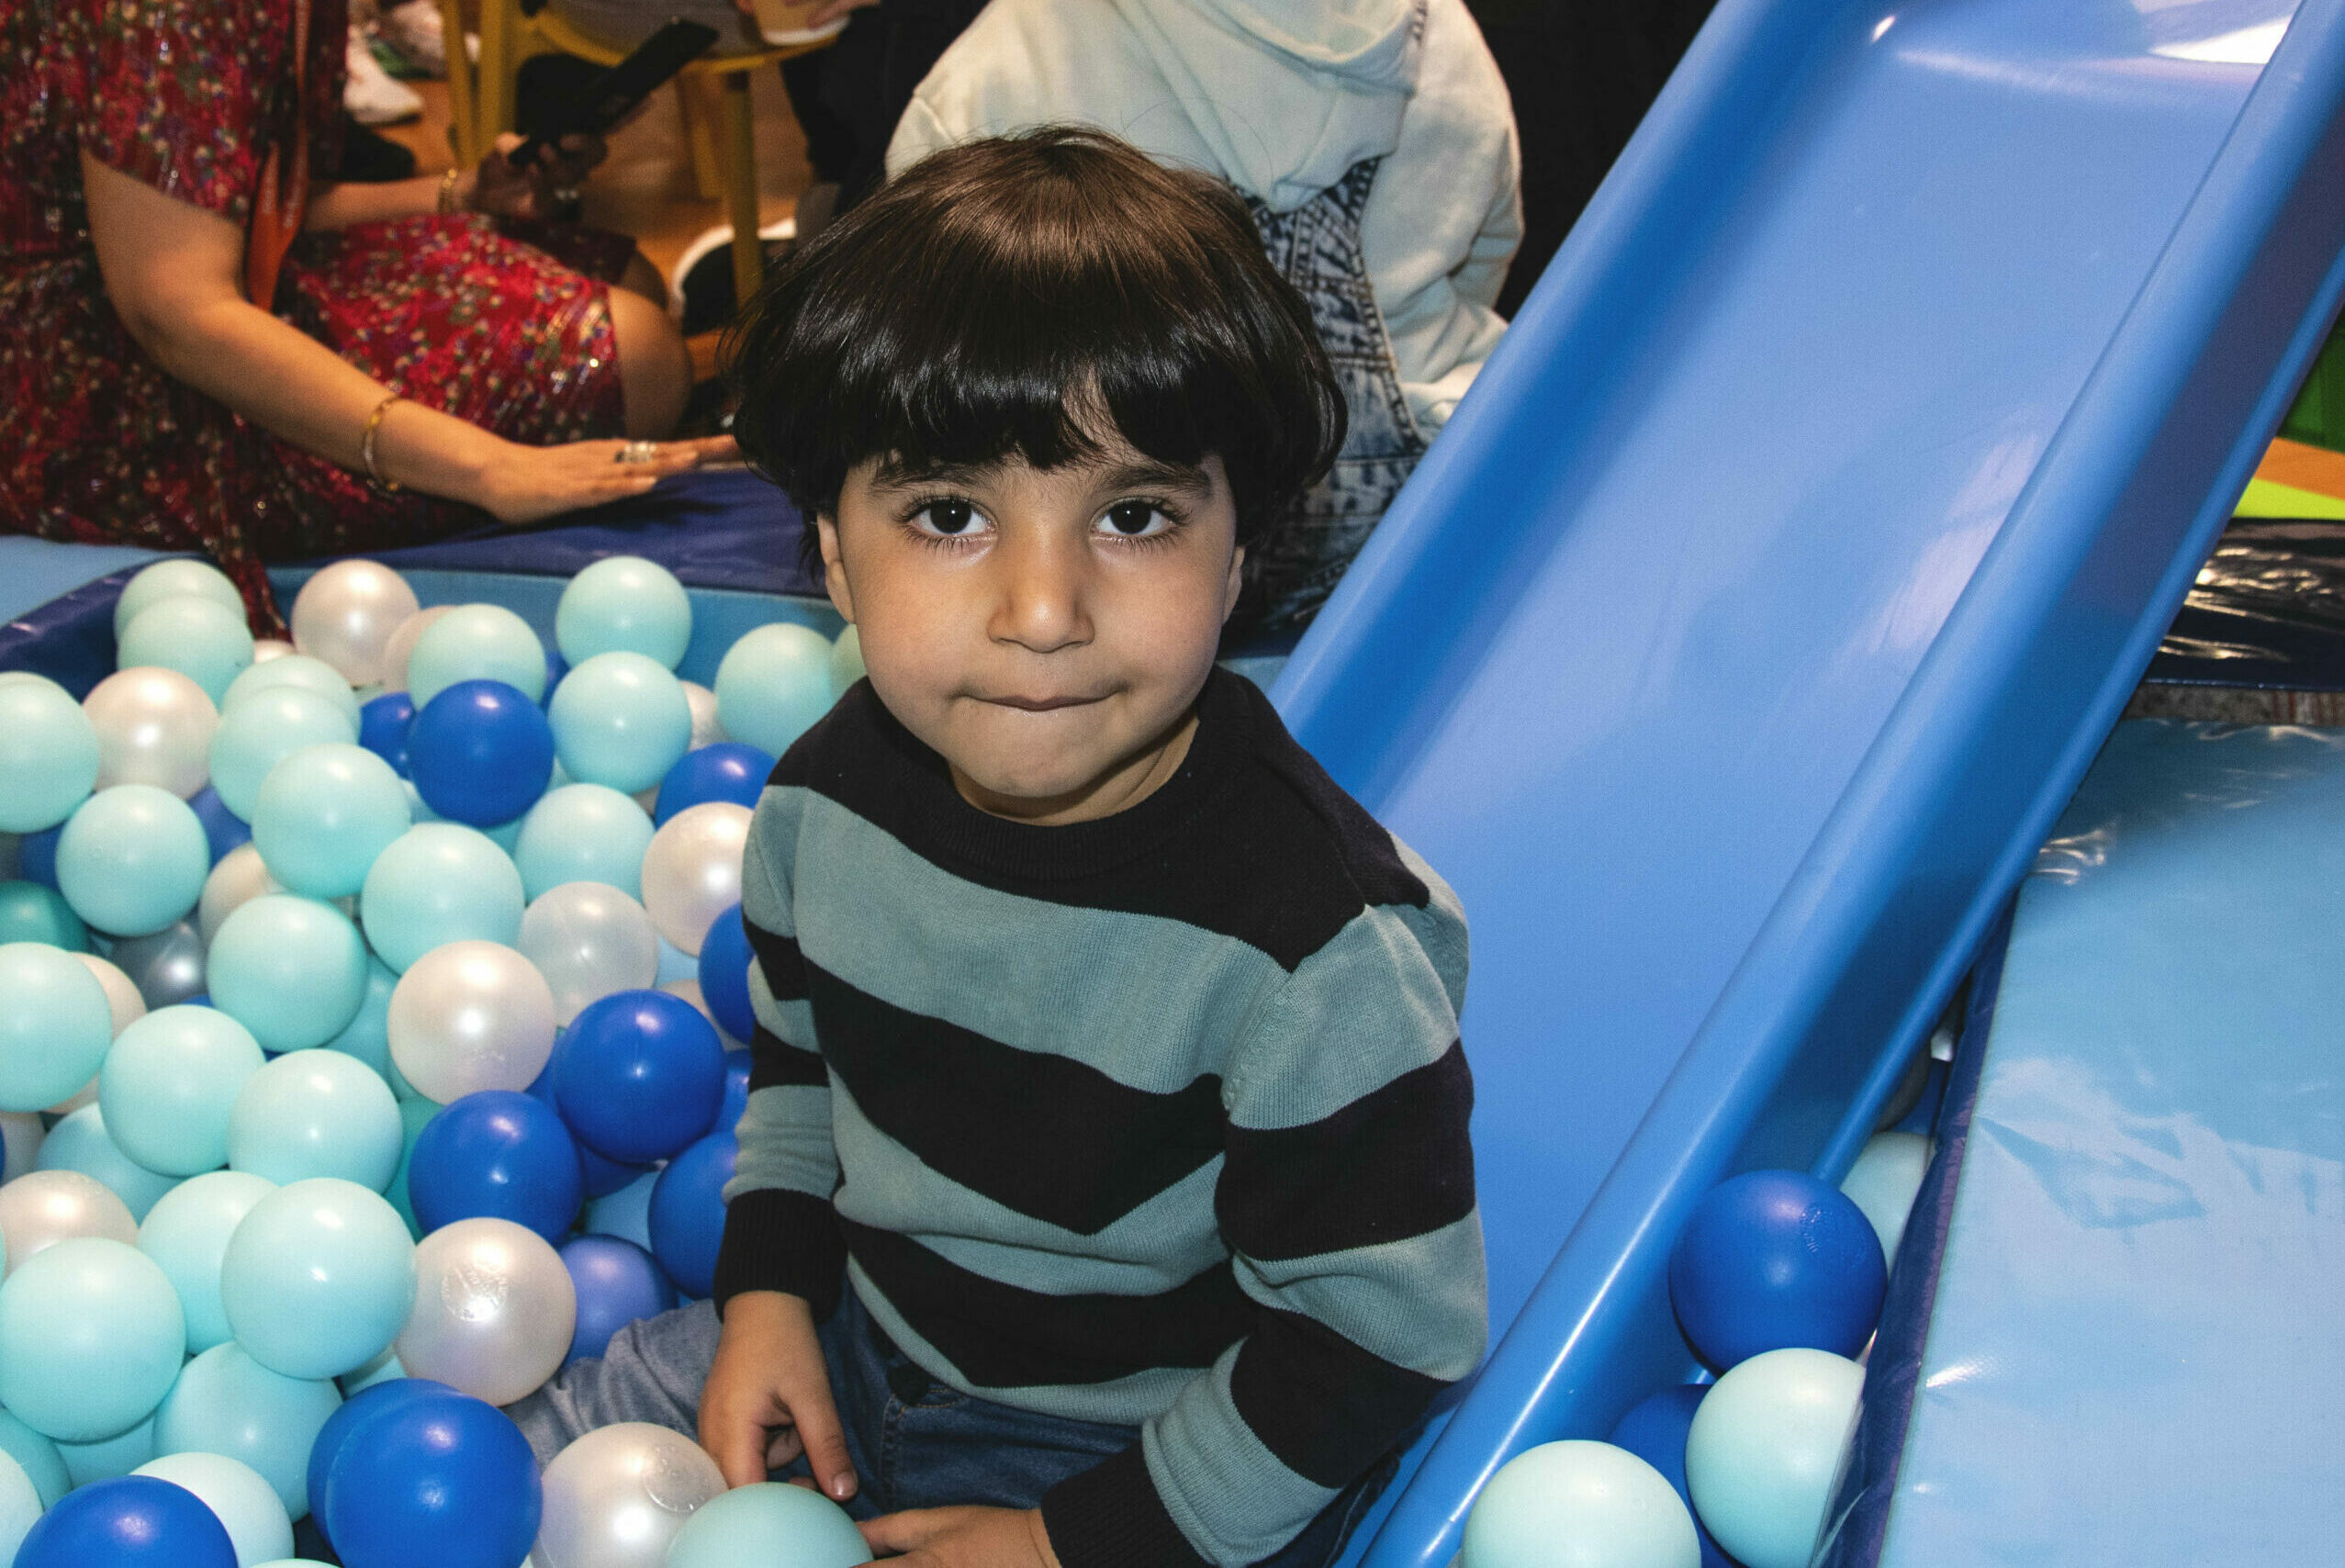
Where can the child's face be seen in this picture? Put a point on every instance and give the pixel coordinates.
(1046, 631)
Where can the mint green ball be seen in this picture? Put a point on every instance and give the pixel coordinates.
(773, 684)
(91, 1338)
(765, 1522)
(1765, 1449)
(264, 729)
(295, 669)
(583, 833)
(324, 813)
(31, 913)
(624, 604)
(133, 859)
(316, 1113)
(621, 719)
(172, 579)
(291, 969)
(168, 1085)
(49, 754)
(202, 639)
(476, 641)
(55, 1024)
(186, 1233)
(439, 882)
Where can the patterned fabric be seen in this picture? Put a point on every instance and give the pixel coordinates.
(508, 328)
(1158, 1120)
(1316, 246)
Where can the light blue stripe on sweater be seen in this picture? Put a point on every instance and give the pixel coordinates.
(785, 1142)
(1229, 1493)
(1417, 1303)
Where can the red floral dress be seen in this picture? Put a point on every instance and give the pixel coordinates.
(98, 445)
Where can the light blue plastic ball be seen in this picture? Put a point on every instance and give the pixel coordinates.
(291, 969)
(476, 641)
(257, 1522)
(1765, 1449)
(846, 661)
(42, 1463)
(620, 718)
(81, 1142)
(48, 756)
(227, 1403)
(624, 603)
(626, 1212)
(187, 1234)
(319, 1278)
(202, 639)
(109, 1457)
(133, 859)
(773, 683)
(1584, 1505)
(295, 669)
(262, 731)
(1884, 1181)
(171, 580)
(168, 1084)
(91, 1338)
(769, 1522)
(583, 833)
(369, 1035)
(316, 1113)
(324, 813)
(55, 1024)
(439, 882)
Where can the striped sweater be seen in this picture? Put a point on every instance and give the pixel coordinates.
(1158, 1119)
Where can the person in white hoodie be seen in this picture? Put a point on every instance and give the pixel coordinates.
(1374, 145)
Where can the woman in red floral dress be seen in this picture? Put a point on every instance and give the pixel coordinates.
(428, 353)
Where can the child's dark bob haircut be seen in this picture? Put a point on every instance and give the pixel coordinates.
(998, 298)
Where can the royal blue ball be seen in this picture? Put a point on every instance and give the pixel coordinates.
(36, 856)
(1776, 1259)
(222, 828)
(724, 974)
(687, 1217)
(382, 724)
(497, 1155)
(618, 1283)
(131, 1521)
(1654, 1431)
(439, 1483)
(641, 1075)
(724, 771)
(361, 1406)
(480, 753)
(737, 1091)
(601, 1177)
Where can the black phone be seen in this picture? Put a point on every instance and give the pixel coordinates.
(612, 95)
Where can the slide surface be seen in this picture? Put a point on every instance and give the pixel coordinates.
(1750, 625)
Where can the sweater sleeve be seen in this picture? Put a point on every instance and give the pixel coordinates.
(780, 1231)
(1347, 1200)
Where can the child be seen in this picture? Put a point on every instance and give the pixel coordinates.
(1105, 1047)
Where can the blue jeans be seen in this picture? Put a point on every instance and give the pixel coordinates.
(915, 1442)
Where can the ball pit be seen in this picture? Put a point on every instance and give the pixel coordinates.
(234, 849)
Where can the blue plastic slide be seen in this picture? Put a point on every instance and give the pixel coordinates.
(1745, 634)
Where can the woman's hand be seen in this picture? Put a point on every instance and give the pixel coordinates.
(962, 1538)
(524, 484)
(545, 189)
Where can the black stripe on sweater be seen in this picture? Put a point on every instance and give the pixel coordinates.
(775, 1063)
(1325, 1406)
(776, 1240)
(1051, 1137)
(1393, 1164)
(779, 960)
(1280, 822)
(1002, 1336)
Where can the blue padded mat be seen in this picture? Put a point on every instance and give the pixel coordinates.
(2133, 1355)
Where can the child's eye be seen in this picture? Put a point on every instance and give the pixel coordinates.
(1135, 520)
(947, 519)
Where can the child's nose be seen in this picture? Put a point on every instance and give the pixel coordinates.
(1043, 603)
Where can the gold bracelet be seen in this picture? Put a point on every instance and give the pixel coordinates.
(447, 203)
(366, 445)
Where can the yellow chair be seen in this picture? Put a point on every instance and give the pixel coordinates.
(480, 107)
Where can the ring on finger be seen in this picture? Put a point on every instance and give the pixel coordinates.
(637, 452)
(565, 195)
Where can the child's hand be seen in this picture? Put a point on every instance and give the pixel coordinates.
(768, 1398)
(963, 1538)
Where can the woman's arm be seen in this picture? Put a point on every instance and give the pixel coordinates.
(172, 272)
(496, 187)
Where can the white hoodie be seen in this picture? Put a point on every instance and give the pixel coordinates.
(1280, 97)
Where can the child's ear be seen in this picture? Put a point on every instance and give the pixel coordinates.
(833, 567)
(1236, 583)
